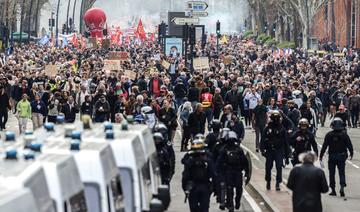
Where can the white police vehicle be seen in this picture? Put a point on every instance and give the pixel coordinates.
(10, 200)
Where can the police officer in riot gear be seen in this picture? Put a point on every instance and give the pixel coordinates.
(230, 166)
(215, 151)
(166, 162)
(339, 144)
(161, 128)
(275, 148)
(302, 141)
(213, 137)
(197, 177)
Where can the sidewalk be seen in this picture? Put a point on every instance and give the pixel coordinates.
(278, 201)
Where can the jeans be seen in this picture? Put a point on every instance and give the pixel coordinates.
(337, 160)
(209, 116)
(3, 119)
(354, 117)
(271, 157)
(258, 135)
(22, 124)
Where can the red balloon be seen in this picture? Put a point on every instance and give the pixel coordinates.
(95, 20)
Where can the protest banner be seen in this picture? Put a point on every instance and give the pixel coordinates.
(112, 65)
(118, 55)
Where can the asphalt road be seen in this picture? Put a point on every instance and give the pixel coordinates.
(330, 204)
(177, 194)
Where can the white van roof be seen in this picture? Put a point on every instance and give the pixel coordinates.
(27, 174)
(17, 200)
(61, 169)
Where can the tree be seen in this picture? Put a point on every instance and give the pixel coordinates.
(306, 10)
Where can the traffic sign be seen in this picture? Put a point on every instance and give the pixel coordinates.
(197, 5)
(200, 13)
(183, 21)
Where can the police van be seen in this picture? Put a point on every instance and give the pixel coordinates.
(132, 163)
(10, 199)
(17, 173)
(98, 171)
(146, 139)
(64, 181)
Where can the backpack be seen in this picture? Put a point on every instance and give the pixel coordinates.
(234, 156)
(199, 169)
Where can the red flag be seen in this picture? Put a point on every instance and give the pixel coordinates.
(75, 40)
(152, 37)
(140, 32)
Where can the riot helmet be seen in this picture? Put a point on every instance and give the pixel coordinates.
(303, 124)
(337, 124)
(199, 136)
(216, 125)
(148, 115)
(232, 137)
(197, 144)
(161, 128)
(158, 138)
(275, 117)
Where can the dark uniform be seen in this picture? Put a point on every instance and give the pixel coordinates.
(165, 154)
(230, 166)
(197, 177)
(302, 141)
(338, 143)
(274, 147)
(213, 137)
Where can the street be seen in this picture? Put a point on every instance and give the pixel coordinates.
(280, 200)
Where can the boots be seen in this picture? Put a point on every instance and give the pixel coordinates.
(333, 192)
(268, 185)
(342, 193)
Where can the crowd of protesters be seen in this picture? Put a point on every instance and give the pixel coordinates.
(246, 77)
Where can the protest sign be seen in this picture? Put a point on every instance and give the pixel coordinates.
(201, 63)
(50, 70)
(166, 64)
(118, 56)
(131, 74)
(112, 65)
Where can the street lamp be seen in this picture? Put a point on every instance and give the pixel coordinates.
(217, 35)
(57, 24)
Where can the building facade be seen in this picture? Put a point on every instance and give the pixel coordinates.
(338, 21)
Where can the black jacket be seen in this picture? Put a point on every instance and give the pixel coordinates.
(70, 113)
(168, 117)
(338, 142)
(307, 183)
(197, 123)
(194, 94)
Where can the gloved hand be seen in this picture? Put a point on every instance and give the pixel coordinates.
(351, 157)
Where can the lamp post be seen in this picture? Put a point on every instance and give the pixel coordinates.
(67, 17)
(73, 17)
(29, 19)
(57, 24)
(22, 19)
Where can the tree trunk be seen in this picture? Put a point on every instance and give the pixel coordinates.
(305, 36)
(333, 25)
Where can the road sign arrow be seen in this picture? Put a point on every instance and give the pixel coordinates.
(183, 21)
(197, 5)
(200, 14)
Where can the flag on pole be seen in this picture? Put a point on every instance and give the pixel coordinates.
(140, 32)
(44, 40)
